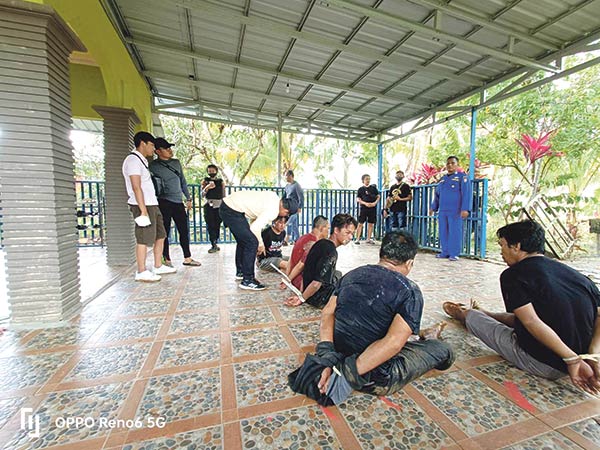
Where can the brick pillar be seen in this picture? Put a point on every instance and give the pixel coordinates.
(37, 191)
(119, 126)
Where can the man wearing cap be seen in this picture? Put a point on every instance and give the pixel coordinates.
(170, 201)
(143, 204)
(246, 213)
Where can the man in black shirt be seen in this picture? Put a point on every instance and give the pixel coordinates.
(273, 238)
(319, 276)
(397, 200)
(552, 312)
(372, 318)
(367, 198)
(213, 190)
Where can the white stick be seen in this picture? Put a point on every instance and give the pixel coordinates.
(292, 288)
(280, 272)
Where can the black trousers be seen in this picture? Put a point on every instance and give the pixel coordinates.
(247, 243)
(178, 213)
(213, 223)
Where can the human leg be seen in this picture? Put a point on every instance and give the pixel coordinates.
(213, 223)
(167, 213)
(443, 227)
(181, 220)
(455, 235)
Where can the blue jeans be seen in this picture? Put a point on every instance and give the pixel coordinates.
(292, 228)
(397, 220)
(247, 243)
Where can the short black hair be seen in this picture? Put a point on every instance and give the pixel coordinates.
(290, 173)
(398, 247)
(142, 136)
(365, 176)
(453, 157)
(212, 166)
(528, 233)
(319, 221)
(342, 220)
(290, 204)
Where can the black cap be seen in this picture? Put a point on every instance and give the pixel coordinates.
(162, 143)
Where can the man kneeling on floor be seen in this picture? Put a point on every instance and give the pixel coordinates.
(374, 311)
(552, 312)
(273, 238)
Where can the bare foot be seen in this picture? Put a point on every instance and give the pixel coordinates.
(457, 311)
(433, 332)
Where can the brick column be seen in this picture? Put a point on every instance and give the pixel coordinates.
(119, 126)
(37, 192)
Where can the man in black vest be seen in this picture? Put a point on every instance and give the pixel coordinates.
(213, 189)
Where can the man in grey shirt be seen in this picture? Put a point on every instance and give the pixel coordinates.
(170, 202)
(294, 191)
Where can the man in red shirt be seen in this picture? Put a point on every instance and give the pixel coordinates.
(302, 246)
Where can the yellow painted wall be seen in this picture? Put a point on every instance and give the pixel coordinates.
(123, 86)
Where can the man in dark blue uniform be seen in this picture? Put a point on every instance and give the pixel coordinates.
(452, 199)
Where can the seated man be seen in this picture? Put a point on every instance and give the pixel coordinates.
(320, 230)
(552, 312)
(319, 276)
(273, 238)
(374, 311)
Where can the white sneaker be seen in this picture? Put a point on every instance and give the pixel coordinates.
(147, 277)
(162, 270)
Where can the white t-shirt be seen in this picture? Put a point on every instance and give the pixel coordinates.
(260, 208)
(134, 166)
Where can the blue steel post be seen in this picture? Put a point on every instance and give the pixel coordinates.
(472, 149)
(484, 207)
(379, 185)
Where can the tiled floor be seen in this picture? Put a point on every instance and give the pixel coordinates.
(193, 362)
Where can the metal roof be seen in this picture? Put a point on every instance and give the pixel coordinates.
(348, 69)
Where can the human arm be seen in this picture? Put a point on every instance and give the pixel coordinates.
(435, 202)
(408, 194)
(595, 346)
(184, 186)
(136, 185)
(466, 196)
(296, 270)
(326, 335)
(310, 290)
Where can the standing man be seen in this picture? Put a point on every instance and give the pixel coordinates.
(552, 312)
(170, 201)
(367, 198)
(246, 213)
(319, 276)
(294, 191)
(149, 227)
(399, 195)
(453, 199)
(213, 189)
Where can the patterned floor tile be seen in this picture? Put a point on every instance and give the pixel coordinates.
(121, 330)
(402, 426)
(469, 403)
(246, 299)
(544, 394)
(193, 322)
(182, 395)
(302, 312)
(250, 316)
(58, 337)
(164, 289)
(257, 341)
(140, 308)
(465, 345)
(192, 350)
(95, 402)
(203, 439)
(589, 429)
(9, 408)
(10, 338)
(19, 372)
(306, 333)
(198, 303)
(548, 441)
(108, 361)
(300, 428)
(264, 380)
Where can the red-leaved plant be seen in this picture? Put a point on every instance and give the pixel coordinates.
(426, 174)
(534, 149)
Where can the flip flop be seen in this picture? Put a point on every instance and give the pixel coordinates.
(192, 263)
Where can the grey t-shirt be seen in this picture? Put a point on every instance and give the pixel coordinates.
(175, 184)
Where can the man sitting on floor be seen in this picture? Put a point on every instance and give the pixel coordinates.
(371, 320)
(273, 238)
(319, 276)
(552, 312)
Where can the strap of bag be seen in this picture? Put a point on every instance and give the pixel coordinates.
(169, 167)
(138, 157)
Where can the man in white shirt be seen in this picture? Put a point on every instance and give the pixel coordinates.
(149, 227)
(246, 213)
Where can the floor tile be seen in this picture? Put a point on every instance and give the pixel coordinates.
(198, 303)
(261, 340)
(183, 395)
(246, 299)
(139, 308)
(57, 337)
(193, 322)
(192, 350)
(108, 361)
(163, 289)
(465, 345)
(9, 408)
(589, 429)
(264, 380)
(121, 330)
(470, 404)
(300, 428)
(203, 439)
(399, 424)
(250, 316)
(548, 441)
(19, 372)
(99, 401)
(306, 333)
(299, 312)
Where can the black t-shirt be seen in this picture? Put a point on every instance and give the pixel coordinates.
(273, 243)
(320, 264)
(368, 299)
(564, 299)
(403, 191)
(215, 193)
(367, 194)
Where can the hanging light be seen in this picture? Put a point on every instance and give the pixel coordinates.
(287, 87)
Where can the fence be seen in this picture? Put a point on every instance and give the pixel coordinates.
(328, 202)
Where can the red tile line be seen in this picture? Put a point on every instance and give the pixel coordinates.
(390, 403)
(515, 393)
(328, 413)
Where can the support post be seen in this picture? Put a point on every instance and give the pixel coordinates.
(279, 142)
(380, 182)
(472, 147)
